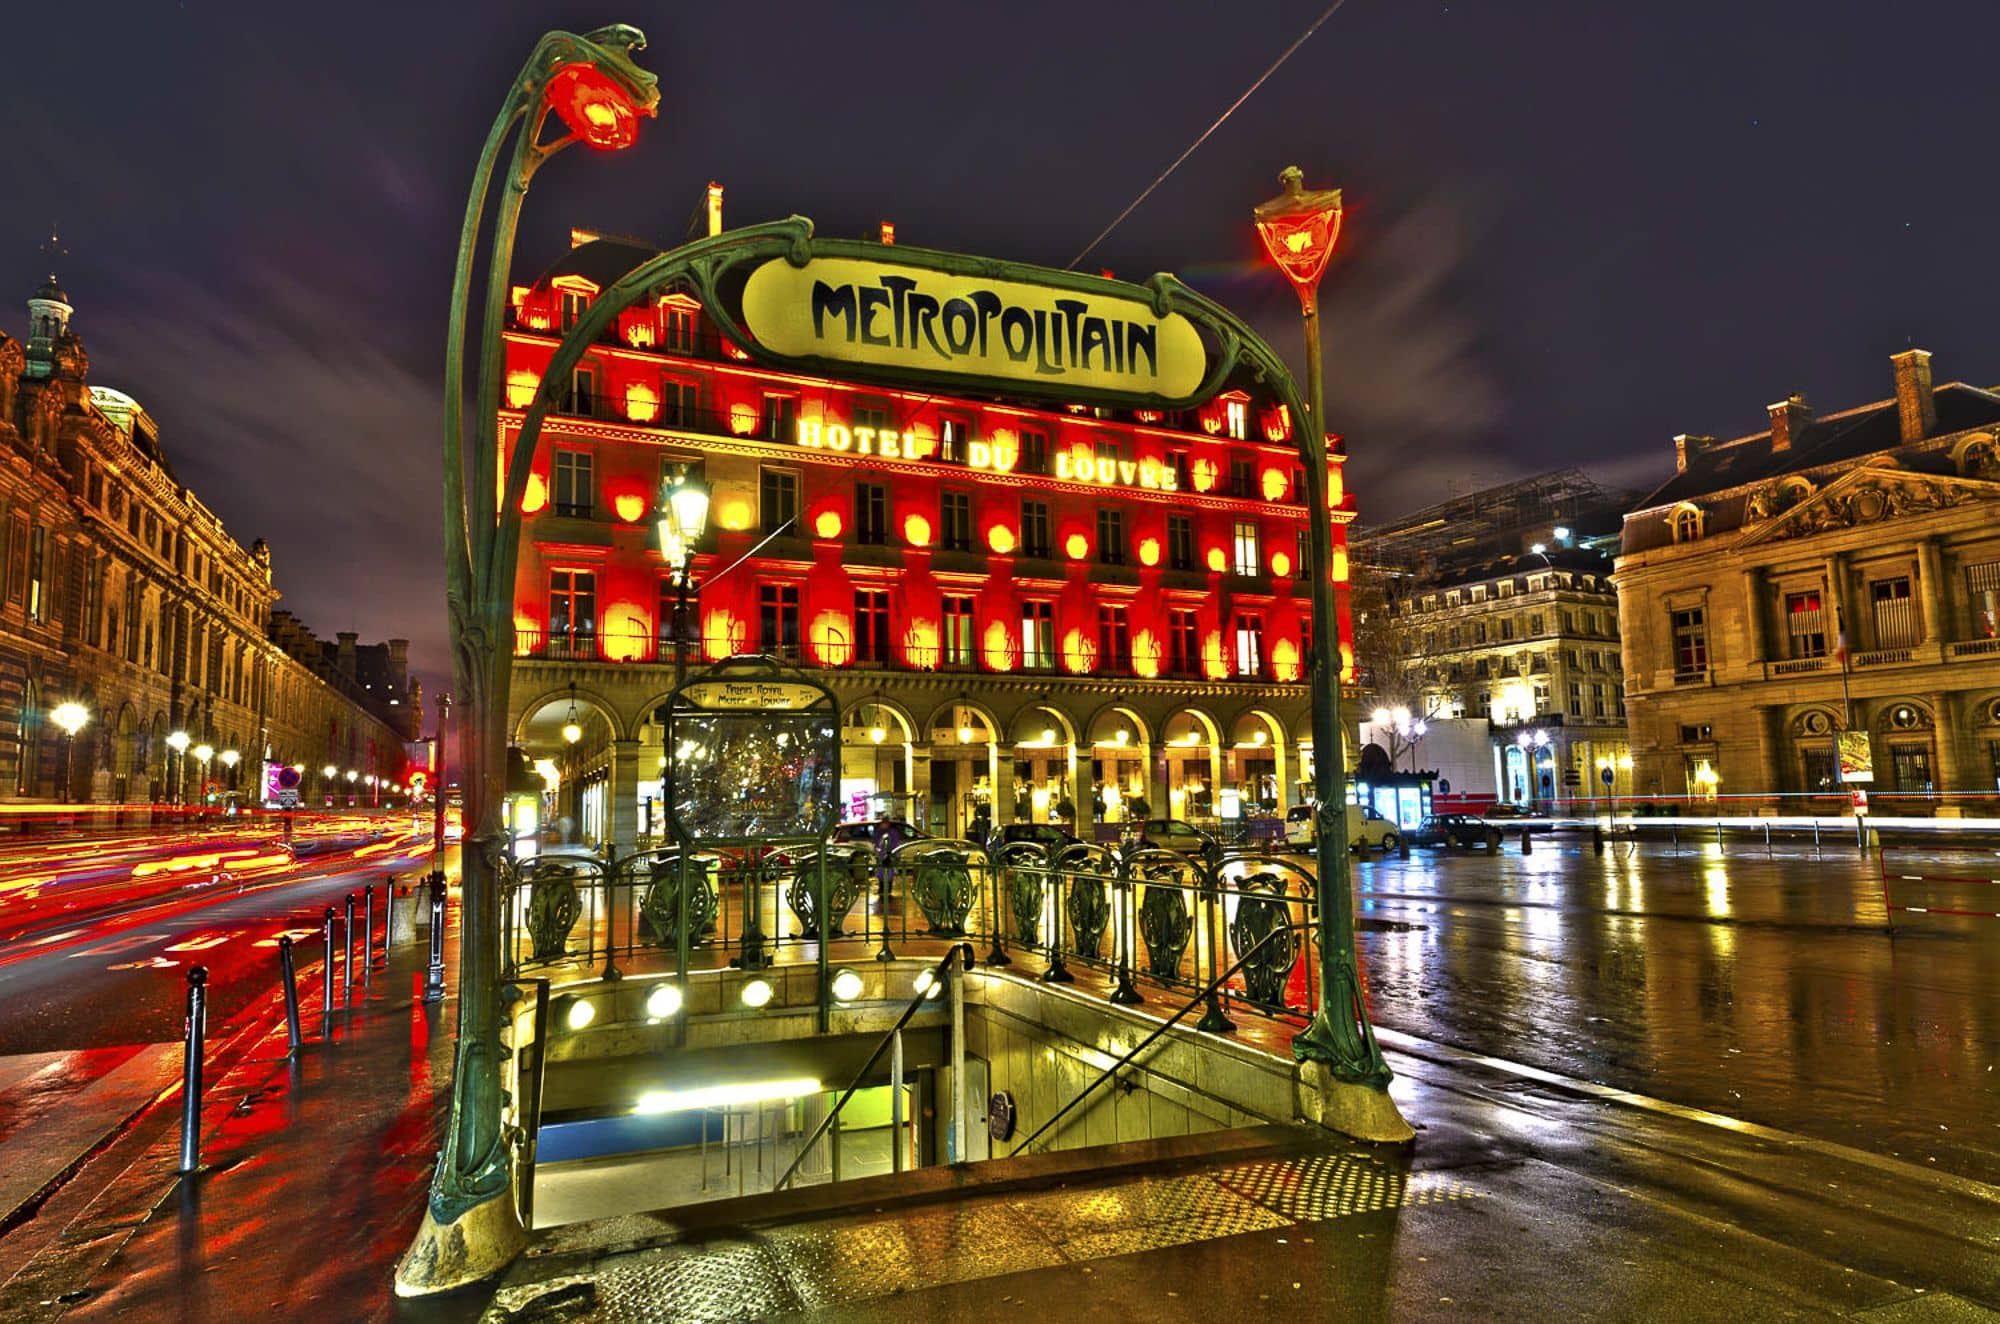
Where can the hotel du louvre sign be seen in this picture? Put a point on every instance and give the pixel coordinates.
(914, 320)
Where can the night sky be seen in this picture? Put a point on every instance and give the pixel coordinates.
(1573, 229)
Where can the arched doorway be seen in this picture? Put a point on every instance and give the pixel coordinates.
(878, 765)
(589, 774)
(1044, 774)
(965, 767)
(1257, 772)
(1120, 756)
(124, 755)
(1193, 757)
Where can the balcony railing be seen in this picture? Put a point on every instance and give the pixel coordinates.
(1798, 666)
(590, 646)
(1884, 657)
(1976, 648)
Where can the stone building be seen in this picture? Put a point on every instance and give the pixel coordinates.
(124, 593)
(1832, 573)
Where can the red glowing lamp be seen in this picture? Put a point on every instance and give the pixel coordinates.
(1298, 229)
(597, 107)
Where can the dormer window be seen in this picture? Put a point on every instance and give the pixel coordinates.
(1236, 419)
(1687, 524)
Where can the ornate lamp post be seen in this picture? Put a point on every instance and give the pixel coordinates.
(177, 741)
(594, 92)
(326, 776)
(70, 717)
(683, 517)
(202, 754)
(230, 758)
(1298, 229)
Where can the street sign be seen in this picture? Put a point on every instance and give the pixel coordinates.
(288, 797)
(1604, 775)
(1571, 777)
(1857, 762)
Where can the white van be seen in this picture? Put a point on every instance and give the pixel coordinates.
(1366, 829)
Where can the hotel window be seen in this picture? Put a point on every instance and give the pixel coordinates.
(1982, 586)
(1895, 614)
(1236, 419)
(871, 414)
(955, 521)
(1038, 635)
(575, 483)
(1596, 700)
(572, 612)
(1505, 588)
(583, 392)
(953, 433)
(1248, 562)
(1507, 627)
(573, 304)
(1035, 528)
(778, 619)
(680, 403)
(1541, 698)
(1180, 542)
(1114, 639)
(1576, 698)
(668, 597)
(1110, 536)
(780, 418)
(871, 514)
(1304, 555)
(1106, 448)
(871, 626)
(777, 499)
(1183, 642)
(1249, 645)
(958, 630)
(1243, 476)
(1034, 451)
(38, 589)
(678, 322)
(1805, 624)
(1535, 624)
(1690, 642)
(1183, 477)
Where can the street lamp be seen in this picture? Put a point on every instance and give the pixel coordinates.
(70, 717)
(683, 518)
(177, 741)
(230, 758)
(202, 754)
(590, 84)
(571, 730)
(327, 774)
(1298, 229)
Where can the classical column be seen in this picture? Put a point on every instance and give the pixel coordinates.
(1945, 736)
(1767, 723)
(1836, 587)
(1753, 614)
(621, 809)
(1930, 576)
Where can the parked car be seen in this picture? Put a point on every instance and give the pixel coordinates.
(1462, 830)
(1046, 835)
(884, 834)
(1366, 829)
(1505, 809)
(1174, 835)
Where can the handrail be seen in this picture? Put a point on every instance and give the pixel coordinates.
(528, 1109)
(959, 951)
(1200, 996)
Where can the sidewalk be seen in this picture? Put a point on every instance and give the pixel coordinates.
(314, 1177)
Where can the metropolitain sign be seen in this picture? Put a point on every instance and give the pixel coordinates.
(911, 318)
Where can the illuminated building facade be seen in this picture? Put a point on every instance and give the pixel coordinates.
(120, 590)
(1741, 577)
(1025, 613)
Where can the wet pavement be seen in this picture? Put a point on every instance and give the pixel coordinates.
(1763, 985)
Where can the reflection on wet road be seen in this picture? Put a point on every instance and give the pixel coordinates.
(1761, 985)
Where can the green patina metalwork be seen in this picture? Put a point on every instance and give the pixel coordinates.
(1165, 922)
(553, 906)
(1089, 913)
(1027, 893)
(942, 885)
(660, 909)
(848, 875)
(1259, 917)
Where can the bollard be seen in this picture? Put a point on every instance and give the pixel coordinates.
(326, 1007)
(388, 916)
(291, 975)
(1677, 838)
(1527, 842)
(1718, 834)
(434, 977)
(1861, 832)
(347, 954)
(1402, 847)
(367, 932)
(1597, 840)
(1767, 836)
(191, 1051)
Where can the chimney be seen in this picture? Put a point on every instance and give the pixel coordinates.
(344, 653)
(399, 663)
(714, 208)
(1916, 403)
(1686, 447)
(1790, 418)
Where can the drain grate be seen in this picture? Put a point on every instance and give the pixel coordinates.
(710, 1284)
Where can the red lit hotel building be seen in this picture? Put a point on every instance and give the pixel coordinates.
(1018, 608)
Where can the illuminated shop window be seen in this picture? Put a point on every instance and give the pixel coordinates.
(777, 498)
(1180, 542)
(958, 630)
(871, 514)
(1111, 536)
(955, 521)
(1035, 528)
(1038, 635)
(778, 620)
(871, 626)
(1183, 642)
(575, 483)
(1249, 645)
(1248, 559)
